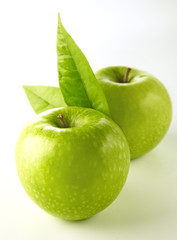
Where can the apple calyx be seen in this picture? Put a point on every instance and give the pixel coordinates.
(62, 120)
(125, 80)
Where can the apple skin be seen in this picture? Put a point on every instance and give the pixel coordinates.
(141, 107)
(75, 172)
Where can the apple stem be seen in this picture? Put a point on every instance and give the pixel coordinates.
(62, 120)
(126, 75)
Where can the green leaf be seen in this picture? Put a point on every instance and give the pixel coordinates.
(76, 78)
(42, 98)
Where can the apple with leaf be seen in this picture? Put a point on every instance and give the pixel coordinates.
(73, 159)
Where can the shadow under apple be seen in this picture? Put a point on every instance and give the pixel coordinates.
(147, 193)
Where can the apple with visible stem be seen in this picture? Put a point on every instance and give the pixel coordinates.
(72, 161)
(139, 104)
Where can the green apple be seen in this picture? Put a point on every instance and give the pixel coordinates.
(139, 104)
(72, 161)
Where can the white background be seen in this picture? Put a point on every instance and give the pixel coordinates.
(141, 34)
